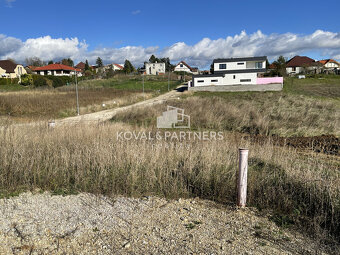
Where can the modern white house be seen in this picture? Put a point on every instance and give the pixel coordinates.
(154, 68)
(184, 67)
(9, 69)
(57, 70)
(237, 72)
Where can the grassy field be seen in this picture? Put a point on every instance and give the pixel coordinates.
(21, 103)
(299, 188)
(301, 109)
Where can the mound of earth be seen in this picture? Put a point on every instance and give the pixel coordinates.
(89, 224)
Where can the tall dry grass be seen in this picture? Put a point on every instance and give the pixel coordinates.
(91, 159)
(256, 113)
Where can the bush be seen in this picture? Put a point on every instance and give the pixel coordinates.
(26, 79)
(39, 81)
(7, 81)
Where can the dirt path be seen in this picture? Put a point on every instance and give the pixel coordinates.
(108, 114)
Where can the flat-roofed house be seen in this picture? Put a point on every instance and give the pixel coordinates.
(237, 72)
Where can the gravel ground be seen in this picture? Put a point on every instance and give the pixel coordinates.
(88, 224)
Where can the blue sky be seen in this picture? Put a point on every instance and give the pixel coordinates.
(108, 27)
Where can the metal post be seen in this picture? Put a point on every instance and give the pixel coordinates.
(242, 178)
(169, 80)
(143, 87)
(77, 92)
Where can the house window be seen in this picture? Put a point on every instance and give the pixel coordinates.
(181, 65)
(214, 80)
(245, 80)
(241, 63)
(293, 69)
(223, 66)
(234, 77)
(258, 65)
(200, 81)
(58, 71)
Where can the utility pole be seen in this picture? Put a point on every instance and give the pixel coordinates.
(77, 92)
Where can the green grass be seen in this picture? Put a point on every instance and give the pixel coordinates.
(134, 83)
(327, 87)
(13, 87)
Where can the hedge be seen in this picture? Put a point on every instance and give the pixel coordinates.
(8, 81)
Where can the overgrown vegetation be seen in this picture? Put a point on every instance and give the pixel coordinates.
(300, 190)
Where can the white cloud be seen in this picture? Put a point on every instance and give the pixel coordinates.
(9, 3)
(136, 12)
(200, 54)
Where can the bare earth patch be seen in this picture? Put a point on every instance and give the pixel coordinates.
(89, 224)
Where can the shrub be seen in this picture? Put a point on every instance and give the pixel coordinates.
(26, 79)
(39, 81)
(7, 81)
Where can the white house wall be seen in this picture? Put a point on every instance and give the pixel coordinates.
(227, 79)
(154, 68)
(239, 65)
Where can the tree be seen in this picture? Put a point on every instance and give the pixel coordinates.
(50, 62)
(153, 59)
(34, 61)
(99, 62)
(67, 61)
(128, 67)
(87, 66)
(280, 66)
(212, 68)
(168, 66)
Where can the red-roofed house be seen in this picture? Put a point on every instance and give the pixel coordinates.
(330, 64)
(117, 67)
(184, 67)
(57, 70)
(298, 64)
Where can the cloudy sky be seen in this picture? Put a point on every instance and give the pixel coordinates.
(195, 31)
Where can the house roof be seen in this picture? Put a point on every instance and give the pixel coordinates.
(325, 61)
(223, 60)
(8, 65)
(32, 67)
(299, 61)
(119, 66)
(183, 62)
(55, 67)
(80, 65)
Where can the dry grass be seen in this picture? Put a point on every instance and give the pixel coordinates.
(55, 103)
(90, 158)
(251, 113)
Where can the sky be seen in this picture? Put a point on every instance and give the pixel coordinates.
(194, 31)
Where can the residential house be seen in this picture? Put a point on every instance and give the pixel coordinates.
(9, 69)
(57, 70)
(184, 67)
(117, 67)
(330, 65)
(300, 64)
(155, 68)
(81, 66)
(236, 71)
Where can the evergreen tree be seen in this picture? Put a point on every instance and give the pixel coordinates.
(128, 67)
(50, 62)
(87, 66)
(99, 62)
(67, 61)
(153, 59)
(280, 66)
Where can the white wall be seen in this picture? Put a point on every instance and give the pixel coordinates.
(298, 69)
(227, 79)
(331, 65)
(154, 68)
(178, 68)
(238, 66)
